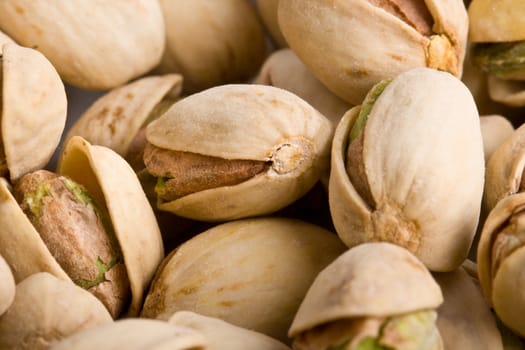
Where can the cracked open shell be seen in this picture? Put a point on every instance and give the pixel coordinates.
(500, 257)
(73, 35)
(7, 287)
(114, 185)
(47, 309)
(277, 133)
(408, 168)
(33, 110)
(375, 295)
(406, 35)
(252, 273)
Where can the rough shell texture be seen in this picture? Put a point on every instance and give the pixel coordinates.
(496, 21)
(465, 320)
(47, 309)
(116, 117)
(222, 335)
(73, 35)
(373, 279)
(271, 263)
(33, 109)
(7, 287)
(508, 92)
(495, 130)
(253, 122)
(212, 42)
(423, 158)
(268, 12)
(110, 179)
(339, 33)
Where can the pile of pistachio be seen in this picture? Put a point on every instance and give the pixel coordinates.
(293, 174)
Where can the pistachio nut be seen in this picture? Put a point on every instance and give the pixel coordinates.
(234, 151)
(211, 42)
(134, 334)
(283, 69)
(268, 11)
(373, 296)
(508, 92)
(500, 256)
(270, 264)
(222, 335)
(73, 35)
(5, 39)
(396, 168)
(47, 309)
(465, 320)
(495, 129)
(406, 35)
(32, 110)
(7, 287)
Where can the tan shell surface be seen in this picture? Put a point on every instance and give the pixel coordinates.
(5, 39)
(110, 179)
(268, 12)
(270, 264)
(222, 335)
(508, 92)
(212, 42)
(465, 320)
(134, 334)
(47, 309)
(73, 35)
(283, 69)
(495, 130)
(496, 21)
(372, 279)
(33, 109)
(7, 287)
(339, 53)
(115, 118)
(254, 122)
(422, 152)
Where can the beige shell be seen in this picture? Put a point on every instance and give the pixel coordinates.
(372, 279)
(115, 118)
(253, 122)
(111, 181)
(496, 21)
(495, 129)
(503, 288)
(283, 69)
(47, 309)
(222, 335)
(423, 159)
(33, 109)
(508, 92)
(252, 273)
(74, 36)
(339, 51)
(134, 334)
(7, 286)
(211, 42)
(465, 320)
(268, 11)
(5, 39)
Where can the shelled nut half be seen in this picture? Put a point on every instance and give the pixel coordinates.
(234, 151)
(408, 168)
(7, 286)
(406, 35)
(33, 110)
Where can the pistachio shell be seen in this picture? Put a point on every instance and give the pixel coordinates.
(496, 21)
(372, 279)
(134, 334)
(270, 264)
(5, 39)
(414, 169)
(268, 12)
(211, 42)
(33, 109)
(508, 92)
(338, 50)
(7, 287)
(47, 309)
(250, 122)
(110, 179)
(495, 129)
(73, 35)
(222, 335)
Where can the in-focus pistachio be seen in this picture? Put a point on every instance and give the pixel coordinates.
(7, 287)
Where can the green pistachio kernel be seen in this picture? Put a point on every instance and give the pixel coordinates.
(505, 60)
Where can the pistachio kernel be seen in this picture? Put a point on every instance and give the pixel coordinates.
(413, 12)
(505, 60)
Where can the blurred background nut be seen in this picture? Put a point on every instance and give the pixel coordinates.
(212, 42)
(374, 296)
(268, 11)
(7, 286)
(92, 44)
(33, 110)
(495, 130)
(252, 273)
(405, 35)
(47, 309)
